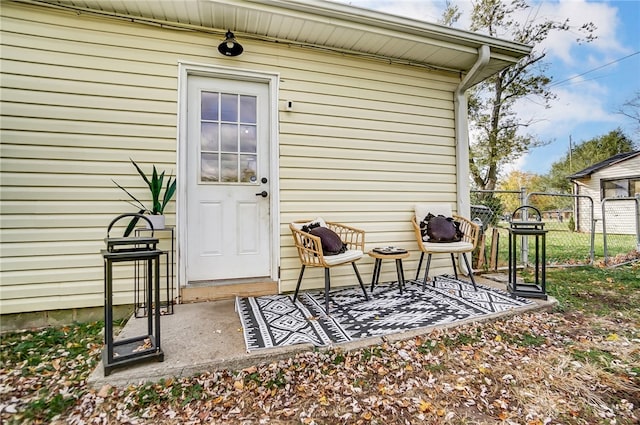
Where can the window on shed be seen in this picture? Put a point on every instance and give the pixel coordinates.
(634, 187)
(620, 188)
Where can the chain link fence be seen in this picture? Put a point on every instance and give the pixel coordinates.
(570, 222)
(493, 210)
(580, 231)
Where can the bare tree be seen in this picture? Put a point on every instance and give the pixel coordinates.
(631, 109)
(500, 134)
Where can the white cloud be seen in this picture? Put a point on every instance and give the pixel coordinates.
(428, 11)
(562, 45)
(516, 165)
(582, 103)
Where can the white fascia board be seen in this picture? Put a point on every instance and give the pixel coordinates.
(397, 24)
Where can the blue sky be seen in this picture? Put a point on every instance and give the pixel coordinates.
(592, 81)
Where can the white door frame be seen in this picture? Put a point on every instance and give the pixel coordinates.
(272, 79)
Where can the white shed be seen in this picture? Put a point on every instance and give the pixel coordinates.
(613, 179)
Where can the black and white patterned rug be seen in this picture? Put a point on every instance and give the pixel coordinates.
(274, 320)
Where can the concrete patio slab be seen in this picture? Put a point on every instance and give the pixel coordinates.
(207, 336)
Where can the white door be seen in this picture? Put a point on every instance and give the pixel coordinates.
(228, 188)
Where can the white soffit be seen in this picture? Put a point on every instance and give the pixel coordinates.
(318, 23)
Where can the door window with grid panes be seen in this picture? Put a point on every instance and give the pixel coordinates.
(228, 138)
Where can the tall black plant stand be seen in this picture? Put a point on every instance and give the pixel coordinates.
(144, 347)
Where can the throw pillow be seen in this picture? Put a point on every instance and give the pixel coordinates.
(318, 220)
(331, 242)
(438, 228)
(309, 226)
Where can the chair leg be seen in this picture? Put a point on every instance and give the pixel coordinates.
(364, 291)
(453, 261)
(400, 273)
(376, 273)
(419, 265)
(426, 273)
(466, 261)
(295, 296)
(327, 286)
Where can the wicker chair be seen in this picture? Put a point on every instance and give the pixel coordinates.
(310, 252)
(468, 243)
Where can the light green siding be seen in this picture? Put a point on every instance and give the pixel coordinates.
(81, 95)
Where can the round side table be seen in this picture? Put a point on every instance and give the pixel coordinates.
(378, 265)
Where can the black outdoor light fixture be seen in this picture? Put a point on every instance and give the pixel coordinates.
(532, 283)
(230, 47)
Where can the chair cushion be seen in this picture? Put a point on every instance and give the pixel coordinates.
(448, 247)
(331, 242)
(348, 256)
(318, 220)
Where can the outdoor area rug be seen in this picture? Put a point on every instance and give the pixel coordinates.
(274, 320)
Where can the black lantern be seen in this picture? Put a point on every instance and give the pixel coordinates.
(138, 250)
(230, 47)
(532, 283)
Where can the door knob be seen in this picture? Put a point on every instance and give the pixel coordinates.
(264, 194)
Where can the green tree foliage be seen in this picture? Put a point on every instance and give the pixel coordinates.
(584, 155)
(500, 132)
(516, 180)
(572, 224)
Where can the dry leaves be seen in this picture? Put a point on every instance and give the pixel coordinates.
(532, 369)
(619, 259)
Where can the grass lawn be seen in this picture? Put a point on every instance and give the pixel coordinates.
(563, 246)
(577, 365)
(597, 291)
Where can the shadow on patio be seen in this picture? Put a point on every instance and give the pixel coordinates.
(206, 336)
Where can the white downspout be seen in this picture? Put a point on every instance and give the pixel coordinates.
(462, 132)
(462, 137)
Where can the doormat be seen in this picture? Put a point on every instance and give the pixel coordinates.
(275, 321)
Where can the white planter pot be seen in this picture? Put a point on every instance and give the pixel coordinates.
(157, 220)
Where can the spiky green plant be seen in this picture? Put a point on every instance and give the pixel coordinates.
(158, 200)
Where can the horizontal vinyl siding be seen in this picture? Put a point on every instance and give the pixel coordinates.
(362, 146)
(79, 98)
(589, 187)
(623, 169)
(81, 95)
(620, 215)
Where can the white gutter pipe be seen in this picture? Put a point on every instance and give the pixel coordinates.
(461, 114)
(462, 131)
